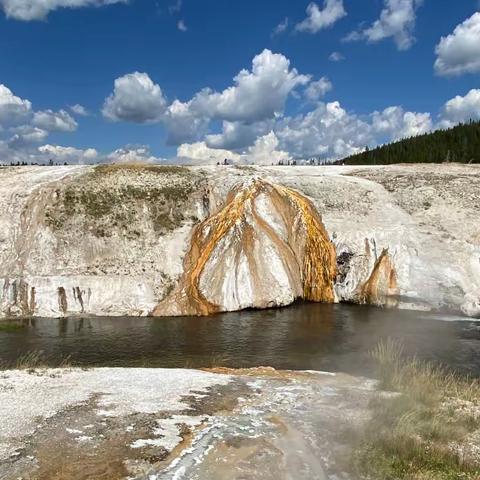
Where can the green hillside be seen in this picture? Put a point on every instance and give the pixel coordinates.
(459, 144)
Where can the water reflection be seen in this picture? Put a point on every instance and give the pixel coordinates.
(305, 336)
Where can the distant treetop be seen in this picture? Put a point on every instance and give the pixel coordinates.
(458, 144)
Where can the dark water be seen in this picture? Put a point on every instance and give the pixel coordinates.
(305, 336)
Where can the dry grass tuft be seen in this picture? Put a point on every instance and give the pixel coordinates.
(123, 198)
(141, 167)
(412, 432)
(424, 381)
(34, 360)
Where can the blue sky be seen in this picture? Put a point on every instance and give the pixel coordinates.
(299, 103)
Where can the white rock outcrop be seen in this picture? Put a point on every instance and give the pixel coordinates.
(118, 240)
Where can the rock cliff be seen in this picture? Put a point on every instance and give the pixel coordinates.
(139, 240)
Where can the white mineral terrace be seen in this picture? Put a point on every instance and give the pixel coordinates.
(81, 259)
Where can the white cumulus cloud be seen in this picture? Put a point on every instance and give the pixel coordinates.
(336, 57)
(461, 109)
(318, 19)
(396, 123)
(201, 153)
(264, 151)
(183, 124)
(238, 135)
(21, 127)
(281, 27)
(26, 134)
(135, 98)
(328, 131)
(459, 52)
(397, 20)
(131, 154)
(318, 89)
(13, 109)
(181, 25)
(60, 121)
(78, 109)
(27, 10)
(257, 94)
(60, 154)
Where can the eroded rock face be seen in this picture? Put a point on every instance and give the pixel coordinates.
(17, 298)
(106, 240)
(266, 247)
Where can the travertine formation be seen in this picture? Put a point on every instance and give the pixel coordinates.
(381, 288)
(140, 240)
(267, 238)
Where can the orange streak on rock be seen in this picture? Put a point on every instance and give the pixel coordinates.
(382, 287)
(319, 257)
(307, 254)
